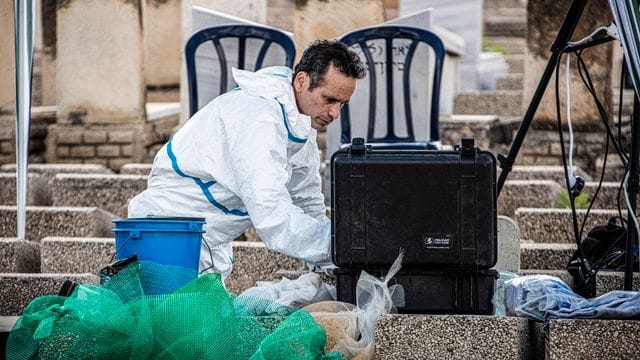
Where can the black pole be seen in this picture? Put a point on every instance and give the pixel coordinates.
(564, 35)
(632, 191)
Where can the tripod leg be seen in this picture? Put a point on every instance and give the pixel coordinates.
(564, 35)
(632, 191)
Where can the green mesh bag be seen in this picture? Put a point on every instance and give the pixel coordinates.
(201, 320)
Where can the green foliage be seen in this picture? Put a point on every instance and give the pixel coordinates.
(563, 201)
(489, 46)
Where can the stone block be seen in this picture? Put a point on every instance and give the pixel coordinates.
(71, 136)
(508, 245)
(83, 29)
(121, 136)
(19, 256)
(76, 255)
(107, 192)
(63, 151)
(501, 25)
(135, 169)
(456, 127)
(82, 151)
(516, 67)
(592, 339)
(509, 82)
(38, 191)
(488, 102)
(452, 337)
(108, 150)
(555, 225)
(527, 193)
(94, 137)
(252, 261)
(17, 290)
(57, 221)
(545, 256)
(607, 195)
(126, 150)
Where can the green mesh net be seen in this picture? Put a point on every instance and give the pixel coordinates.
(201, 320)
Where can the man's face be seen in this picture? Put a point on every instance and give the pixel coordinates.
(324, 102)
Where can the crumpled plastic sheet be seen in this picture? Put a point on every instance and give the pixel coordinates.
(544, 297)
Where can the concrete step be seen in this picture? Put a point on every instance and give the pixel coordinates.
(57, 221)
(17, 290)
(606, 280)
(607, 195)
(488, 102)
(252, 260)
(527, 193)
(551, 256)
(516, 64)
(542, 172)
(38, 190)
(510, 82)
(19, 256)
(50, 170)
(108, 192)
(405, 336)
(136, 169)
(75, 255)
(592, 339)
(498, 4)
(511, 44)
(505, 25)
(555, 225)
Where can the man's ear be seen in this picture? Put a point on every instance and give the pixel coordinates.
(300, 80)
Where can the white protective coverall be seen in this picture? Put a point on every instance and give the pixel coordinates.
(247, 157)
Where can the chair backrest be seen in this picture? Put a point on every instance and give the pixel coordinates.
(251, 44)
(396, 54)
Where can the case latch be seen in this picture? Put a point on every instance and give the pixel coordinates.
(468, 147)
(357, 146)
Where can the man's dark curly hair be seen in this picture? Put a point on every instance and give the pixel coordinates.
(317, 57)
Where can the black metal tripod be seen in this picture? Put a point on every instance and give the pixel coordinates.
(559, 47)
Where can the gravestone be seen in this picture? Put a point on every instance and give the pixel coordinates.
(7, 84)
(207, 66)
(544, 18)
(462, 17)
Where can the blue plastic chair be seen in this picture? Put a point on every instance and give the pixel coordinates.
(387, 34)
(221, 37)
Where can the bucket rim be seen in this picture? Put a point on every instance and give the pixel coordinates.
(160, 219)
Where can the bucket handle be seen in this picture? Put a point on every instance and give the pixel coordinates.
(133, 234)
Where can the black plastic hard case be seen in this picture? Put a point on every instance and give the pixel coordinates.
(439, 206)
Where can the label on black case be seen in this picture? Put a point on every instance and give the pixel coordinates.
(437, 241)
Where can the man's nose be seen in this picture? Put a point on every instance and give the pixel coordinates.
(334, 111)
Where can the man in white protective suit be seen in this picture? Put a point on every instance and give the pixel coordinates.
(250, 157)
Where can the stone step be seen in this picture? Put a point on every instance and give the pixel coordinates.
(38, 190)
(510, 82)
(505, 25)
(75, 255)
(108, 192)
(136, 169)
(542, 172)
(516, 65)
(19, 256)
(252, 260)
(606, 280)
(607, 195)
(550, 256)
(50, 170)
(519, 11)
(57, 221)
(512, 45)
(17, 290)
(527, 193)
(592, 339)
(488, 102)
(499, 4)
(556, 225)
(405, 336)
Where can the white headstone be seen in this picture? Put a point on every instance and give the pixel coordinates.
(464, 18)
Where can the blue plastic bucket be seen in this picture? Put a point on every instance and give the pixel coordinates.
(165, 241)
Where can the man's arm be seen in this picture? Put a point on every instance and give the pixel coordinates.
(259, 159)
